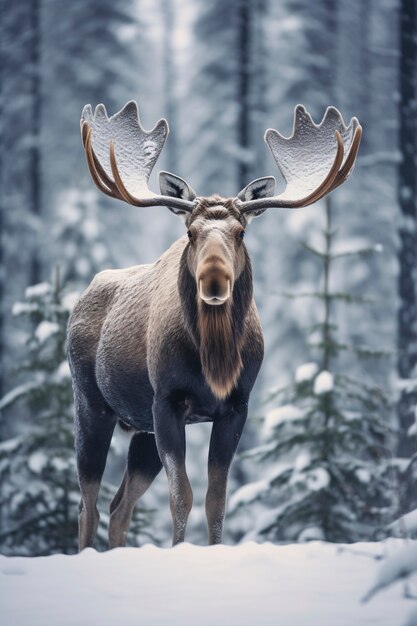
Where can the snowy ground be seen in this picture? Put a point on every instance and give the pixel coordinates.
(315, 584)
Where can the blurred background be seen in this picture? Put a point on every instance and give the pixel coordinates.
(221, 72)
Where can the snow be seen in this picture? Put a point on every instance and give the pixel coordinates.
(323, 383)
(136, 149)
(16, 393)
(412, 619)
(306, 372)
(83, 267)
(315, 142)
(90, 229)
(37, 291)
(310, 584)
(398, 565)
(20, 308)
(405, 524)
(37, 462)
(99, 252)
(400, 463)
(10, 445)
(70, 299)
(285, 413)
(318, 479)
(311, 533)
(407, 384)
(61, 465)
(363, 475)
(302, 460)
(412, 431)
(252, 491)
(315, 479)
(45, 329)
(63, 372)
(355, 245)
(248, 493)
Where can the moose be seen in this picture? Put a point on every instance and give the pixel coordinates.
(176, 342)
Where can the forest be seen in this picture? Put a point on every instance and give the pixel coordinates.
(330, 448)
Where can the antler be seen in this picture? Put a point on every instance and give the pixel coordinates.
(121, 155)
(313, 161)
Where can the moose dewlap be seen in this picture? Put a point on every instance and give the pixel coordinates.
(179, 341)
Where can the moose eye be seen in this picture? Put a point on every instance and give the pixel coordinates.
(242, 234)
(189, 234)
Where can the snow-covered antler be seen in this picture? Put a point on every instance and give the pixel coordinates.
(313, 161)
(121, 155)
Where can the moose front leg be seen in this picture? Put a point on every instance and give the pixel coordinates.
(224, 440)
(170, 440)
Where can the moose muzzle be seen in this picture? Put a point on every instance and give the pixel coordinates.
(214, 281)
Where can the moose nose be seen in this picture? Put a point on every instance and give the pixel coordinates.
(214, 293)
(214, 285)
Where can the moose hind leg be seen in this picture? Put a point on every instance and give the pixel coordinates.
(143, 465)
(94, 427)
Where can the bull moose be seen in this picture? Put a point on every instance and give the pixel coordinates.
(179, 341)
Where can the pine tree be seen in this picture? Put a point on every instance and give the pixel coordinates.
(329, 477)
(39, 492)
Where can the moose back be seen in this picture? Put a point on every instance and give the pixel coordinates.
(179, 341)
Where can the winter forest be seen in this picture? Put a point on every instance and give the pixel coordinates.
(330, 447)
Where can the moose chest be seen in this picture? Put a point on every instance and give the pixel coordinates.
(172, 368)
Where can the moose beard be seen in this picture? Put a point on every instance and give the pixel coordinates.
(219, 348)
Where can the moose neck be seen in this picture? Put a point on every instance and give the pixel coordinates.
(217, 331)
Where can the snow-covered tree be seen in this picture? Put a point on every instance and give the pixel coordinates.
(38, 477)
(325, 443)
(79, 233)
(39, 491)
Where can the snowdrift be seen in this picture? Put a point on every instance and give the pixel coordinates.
(314, 584)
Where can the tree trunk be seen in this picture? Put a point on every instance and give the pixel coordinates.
(407, 254)
(35, 155)
(243, 69)
(2, 196)
(171, 150)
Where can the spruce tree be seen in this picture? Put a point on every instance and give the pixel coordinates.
(39, 491)
(326, 445)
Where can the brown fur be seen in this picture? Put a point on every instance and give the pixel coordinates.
(219, 331)
(219, 348)
(216, 208)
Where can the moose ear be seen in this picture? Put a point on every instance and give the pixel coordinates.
(259, 188)
(176, 187)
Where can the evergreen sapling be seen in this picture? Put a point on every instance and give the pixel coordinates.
(326, 444)
(39, 491)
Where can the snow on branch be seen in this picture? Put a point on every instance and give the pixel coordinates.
(17, 392)
(406, 525)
